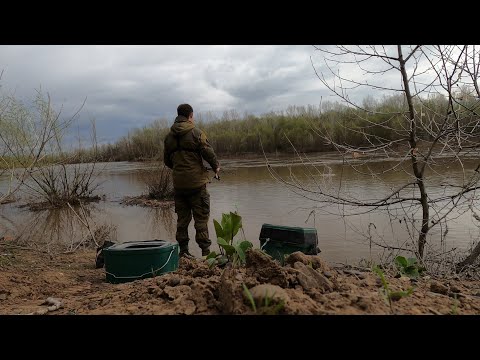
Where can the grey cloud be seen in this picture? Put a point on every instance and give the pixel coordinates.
(130, 86)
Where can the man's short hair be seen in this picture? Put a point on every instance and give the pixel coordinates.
(184, 110)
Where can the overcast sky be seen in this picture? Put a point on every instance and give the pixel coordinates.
(130, 86)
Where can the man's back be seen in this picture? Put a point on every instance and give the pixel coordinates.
(184, 148)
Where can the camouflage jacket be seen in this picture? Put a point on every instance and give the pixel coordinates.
(185, 147)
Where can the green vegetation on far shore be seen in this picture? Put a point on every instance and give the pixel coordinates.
(233, 134)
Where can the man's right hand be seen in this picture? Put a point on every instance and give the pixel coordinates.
(216, 174)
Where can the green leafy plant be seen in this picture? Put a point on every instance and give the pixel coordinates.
(390, 295)
(408, 266)
(229, 251)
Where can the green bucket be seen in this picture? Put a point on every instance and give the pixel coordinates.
(139, 260)
(279, 241)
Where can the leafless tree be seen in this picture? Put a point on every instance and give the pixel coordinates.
(426, 123)
(64, 179)
(32, 139)
(24, 136)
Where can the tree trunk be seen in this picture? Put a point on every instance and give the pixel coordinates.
(422, 238)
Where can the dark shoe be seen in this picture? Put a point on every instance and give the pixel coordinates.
(205, 252)
(186, 254)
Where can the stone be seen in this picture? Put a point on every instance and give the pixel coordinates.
(438, 288)
(174, 281)
(312, 279)
(315, 261)
(265, 269)
(274, 293)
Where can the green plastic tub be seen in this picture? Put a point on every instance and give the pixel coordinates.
(139, 260)
(280, 241)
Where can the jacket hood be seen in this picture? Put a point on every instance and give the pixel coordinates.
(181, 125)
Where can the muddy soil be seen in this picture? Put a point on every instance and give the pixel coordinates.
(306, 285)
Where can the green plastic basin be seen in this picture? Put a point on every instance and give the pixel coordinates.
(139, 260)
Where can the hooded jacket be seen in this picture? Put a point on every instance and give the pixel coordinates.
(185, 147)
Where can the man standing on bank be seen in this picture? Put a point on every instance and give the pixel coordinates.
(185, 148)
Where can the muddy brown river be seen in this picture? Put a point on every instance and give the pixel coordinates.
(248, 187)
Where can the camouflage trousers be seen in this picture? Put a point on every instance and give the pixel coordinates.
(197, 203)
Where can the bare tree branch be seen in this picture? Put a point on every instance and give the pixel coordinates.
(431, 118)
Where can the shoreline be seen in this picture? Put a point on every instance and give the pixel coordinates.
(29, 277)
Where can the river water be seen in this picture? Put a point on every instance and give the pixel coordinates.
(247, 186)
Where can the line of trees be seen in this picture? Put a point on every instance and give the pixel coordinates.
(234, 134)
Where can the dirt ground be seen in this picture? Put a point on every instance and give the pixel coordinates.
(307, 285)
